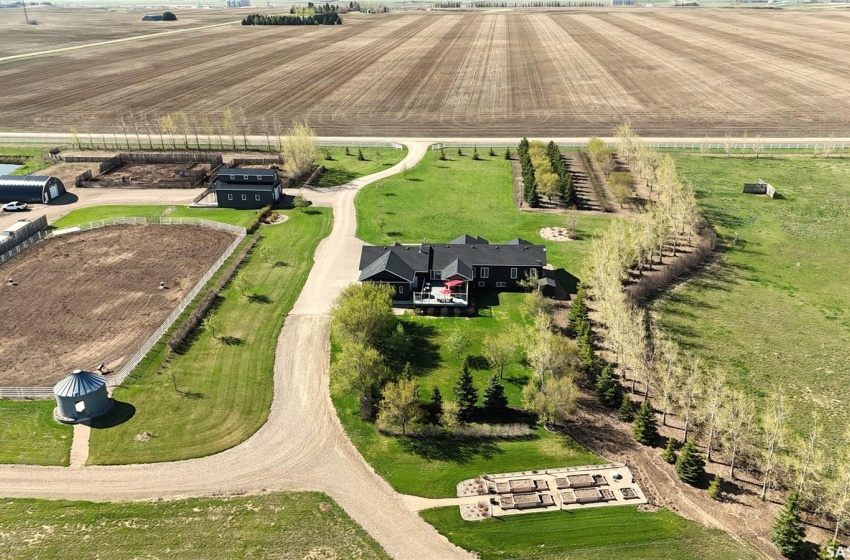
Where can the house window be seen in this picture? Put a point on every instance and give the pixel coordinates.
(433, 274)
(230, 197)
(401, 289)
(244, 197)
(233, 176)
(257, 197)
(481, 284)
(485, 272)
(513, 274)
(473, 273)
(500, 284)
(245, 177)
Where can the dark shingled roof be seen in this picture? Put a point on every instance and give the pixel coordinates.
(456, 268)
(228, 178)
(466, 239)
(518, 241)
(450, 259)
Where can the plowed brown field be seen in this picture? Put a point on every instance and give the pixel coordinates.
(94, 296)
(673, 72)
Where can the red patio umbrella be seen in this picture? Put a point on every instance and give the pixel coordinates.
(452, 283)
(446, 291)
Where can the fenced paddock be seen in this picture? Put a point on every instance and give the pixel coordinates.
(110, 311)
(23, 238)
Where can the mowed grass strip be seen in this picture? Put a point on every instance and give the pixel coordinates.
(31, 436)
(294, 525)
(607, 532)
(440, 200)
(152, 213)
(788, 272)
(432, 466)
(219, 392)
(344, 168)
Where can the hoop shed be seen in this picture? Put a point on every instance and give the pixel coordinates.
(32, 189)
(81, 397)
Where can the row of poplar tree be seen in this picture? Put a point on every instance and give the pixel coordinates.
(675, 383)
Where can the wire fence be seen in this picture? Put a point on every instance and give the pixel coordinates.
(734, 146)
(135, 360)
(32, 240)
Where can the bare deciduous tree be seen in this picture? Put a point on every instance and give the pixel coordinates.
(738, 418)
(775, 425)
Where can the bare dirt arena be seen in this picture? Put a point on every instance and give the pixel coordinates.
(92, 297)
(497, 72)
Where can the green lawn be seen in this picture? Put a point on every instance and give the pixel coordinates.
(432, 467)
(773, 311)
(344, 168)
(610, 532)
(31, 436)
(215, 395)
(292, 526)
(83, 215)
(31, 159)
(440, 200)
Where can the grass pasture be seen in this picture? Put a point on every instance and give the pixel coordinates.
(31, 436)
(440, 200)
(287, 526)
(601, 533)
(432, 467)
(788, 271)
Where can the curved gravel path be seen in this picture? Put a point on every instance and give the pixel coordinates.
(302, 446)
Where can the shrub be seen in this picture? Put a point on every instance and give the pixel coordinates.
(669, 454)
(258, 219)
(626, 411)
(714, 487)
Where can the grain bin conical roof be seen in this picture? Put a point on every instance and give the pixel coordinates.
(78, 383)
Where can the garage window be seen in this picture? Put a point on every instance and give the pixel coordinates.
(245, 177)
(257, 197)
(233, 177)
(244, 197)
(500, 284)
(485, 272)
(230, 197)
(481, 284)
(513, 274)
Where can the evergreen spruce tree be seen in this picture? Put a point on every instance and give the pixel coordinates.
(608, 388)
(787, 533)
(475, 153)
(578, 310)
(492, 152)
(626, 411)
(645, 429)
(714, 487)
(442, 154)
(507, 153)
(669, 454)
(459, 151)
(466, 393)
(347, 151)
(495, 401)
(435, 407)
(360, 156)
(690, 465)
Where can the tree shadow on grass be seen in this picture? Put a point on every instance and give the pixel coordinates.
(259, 298)
(231, 340)
(120, 413)
(424, 354)
(451, 450)
(336, 177)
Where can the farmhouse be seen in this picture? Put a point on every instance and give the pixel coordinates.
(247, 188)
(444, 274)
(30, 188)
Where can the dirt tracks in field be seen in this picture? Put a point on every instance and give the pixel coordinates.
(94, 296)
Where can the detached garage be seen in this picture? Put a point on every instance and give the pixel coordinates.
(30, 188)
(247, 188)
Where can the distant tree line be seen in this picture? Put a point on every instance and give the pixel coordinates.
(326, 18)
